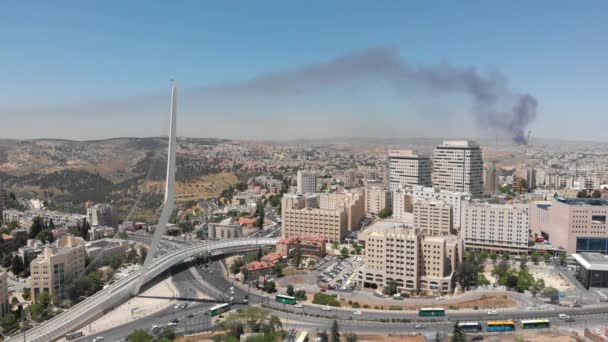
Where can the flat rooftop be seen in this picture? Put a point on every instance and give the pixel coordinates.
(592, 261)
(583, 201)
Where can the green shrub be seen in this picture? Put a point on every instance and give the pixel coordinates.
(324, 299)
(356, 305)
(395, 307)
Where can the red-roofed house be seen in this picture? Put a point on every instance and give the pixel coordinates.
(259, 269)
(247, 222)
(309, 245)
(273, 257)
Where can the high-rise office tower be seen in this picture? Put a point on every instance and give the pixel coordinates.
(490, 179)
(407, 169)
(458, 166)
(307, 182)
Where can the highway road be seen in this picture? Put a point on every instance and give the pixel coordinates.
(311, 318)
(112, 296)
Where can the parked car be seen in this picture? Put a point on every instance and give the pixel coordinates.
(326, 308)
(492, 312)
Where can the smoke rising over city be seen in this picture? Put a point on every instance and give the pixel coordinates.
(495, 106)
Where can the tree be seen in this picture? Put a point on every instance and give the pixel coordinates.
(390, 288)
(290, 291)
(468, 272)
(297, 256)
(51, 224)
(546, 257)
(344, 252)
(552, 293)
(245, 273)
(236, 266)
(278, 270)
(582, 194)
(260, 254)
(260, 209)
(143, 252)
(45, 235)
(335, 332)
(505, 256)
(562, 259)
(36, 227)
(523, 262)
(384, 213)
(535, 257)
(596, 194)
(458, 335)
(494, 257)
(8, 322)
(537, 286)
(300, 295)
(44, 299)
(511, 280)
(351, 337)
(335, 245)
(274, 323)
(17, 265)
(270, 287)
(139, 336)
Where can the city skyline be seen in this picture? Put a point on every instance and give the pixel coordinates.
(111, 77)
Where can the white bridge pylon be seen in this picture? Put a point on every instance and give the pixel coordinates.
(169, 200)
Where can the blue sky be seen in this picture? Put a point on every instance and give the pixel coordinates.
(67, 66)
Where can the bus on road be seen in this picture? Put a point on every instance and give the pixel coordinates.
(286, 299)
(500, 325)
(302, 337)
(470, 327)
(426, 312)
(218, 309)
(534, 323)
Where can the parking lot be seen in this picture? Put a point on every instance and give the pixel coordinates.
(336, 273)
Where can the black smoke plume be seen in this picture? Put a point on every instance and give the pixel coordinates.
(495, 106)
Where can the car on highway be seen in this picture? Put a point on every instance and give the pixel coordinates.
(231, 288)
(171, 324)
(562, 316)
(477, 338)
(569, 319)
(326, 308)
(297, 305)
(98, 338)
(418, 326)
(492, 312)
(357, 312)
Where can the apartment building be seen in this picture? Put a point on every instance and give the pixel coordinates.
(454, 199)
(5, 306)
(102, 215)
(403, 205)
(306, 182)
(407, 169)
(352, 201)
(51, 268)
(309, 245)
(496, 227)
(376, 199)
(434, 217)
(100, 250)
(577, 225)
(299, 220)
(458, 167)
(401, 253)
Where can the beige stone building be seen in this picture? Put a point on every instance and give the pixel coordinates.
(376, 199)
(496, 227)
(5, 306)
(51, 268)
(401, 253)
(407, 169)
(403, 205)
(434, 217)
(577, 225)
(329, 215)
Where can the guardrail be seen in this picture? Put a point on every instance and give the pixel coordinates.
(112, 296)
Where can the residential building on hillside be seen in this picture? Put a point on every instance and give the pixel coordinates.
(458, 167)
(50, 269)
(407, 169)
(299, 220)
(400, 253)
(434, 217)
(309, 245)
(102, 215)
(496, 227)
(491, 182)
